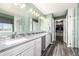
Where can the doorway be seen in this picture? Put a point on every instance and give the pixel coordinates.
(59, 31)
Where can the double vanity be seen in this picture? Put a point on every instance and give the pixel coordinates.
(29, 45)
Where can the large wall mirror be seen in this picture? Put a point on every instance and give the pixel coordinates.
(6, 23)
(35, 25)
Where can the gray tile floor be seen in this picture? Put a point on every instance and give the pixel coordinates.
(60, 49)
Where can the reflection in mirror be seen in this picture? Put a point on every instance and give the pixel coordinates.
(6, 25)
(35, 25)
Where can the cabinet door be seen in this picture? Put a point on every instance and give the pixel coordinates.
(37, 47)
(28, 52)
(48, 40)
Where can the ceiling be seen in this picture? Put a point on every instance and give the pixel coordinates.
(57, 9)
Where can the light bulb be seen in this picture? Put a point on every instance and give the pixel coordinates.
(38, 14)
(33, 12)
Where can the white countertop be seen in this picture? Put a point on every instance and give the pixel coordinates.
(4, 44)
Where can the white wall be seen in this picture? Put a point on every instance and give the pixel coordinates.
(69, 27)
(53, 29)
(77, 27)
(65, 29)
(73, 26)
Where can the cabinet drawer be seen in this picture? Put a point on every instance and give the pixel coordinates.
(28, 52)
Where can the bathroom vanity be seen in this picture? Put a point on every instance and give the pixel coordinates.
(29, 45)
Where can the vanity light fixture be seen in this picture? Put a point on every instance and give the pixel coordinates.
(35, 13)
(38, 15)
(22, 5)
